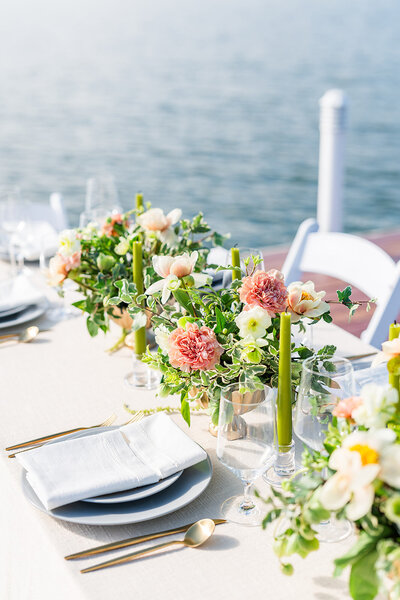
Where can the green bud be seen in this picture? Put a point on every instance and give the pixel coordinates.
(287, 568)
(188, 281)
(225, 331)
(105, 263)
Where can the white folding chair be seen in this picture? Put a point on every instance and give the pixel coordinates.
(354, 260)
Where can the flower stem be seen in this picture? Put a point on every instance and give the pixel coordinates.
(119, 343)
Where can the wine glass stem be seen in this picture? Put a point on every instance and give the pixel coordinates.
(247, 503)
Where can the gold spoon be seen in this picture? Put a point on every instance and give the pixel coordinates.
(26, 335)
(195, 536)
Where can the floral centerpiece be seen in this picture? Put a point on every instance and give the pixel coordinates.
(357, 477)
(98, 257)
(210, 338)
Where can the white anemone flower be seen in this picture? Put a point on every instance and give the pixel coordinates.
(69, 243)
(305, 301)
(253, 322)
(363, 457)
(377, 407)
(172, 269)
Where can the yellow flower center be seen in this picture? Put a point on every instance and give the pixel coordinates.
(306, 296)
(368, 455)
(253, 324)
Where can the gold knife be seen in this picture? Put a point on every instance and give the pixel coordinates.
(133, 541)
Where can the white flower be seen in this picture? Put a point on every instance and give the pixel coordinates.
(253, 322)
(89, 231)
(304, 301)
(155, 221)
(377, 407)
(69, 243)
(363, 457)
(172, 269)
(122, 247)
(390, 461)
(390, 350)
(161, 335)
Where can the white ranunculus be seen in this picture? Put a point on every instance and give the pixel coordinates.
(253, 322)
(69, 243)
(304, 301)
(378, 406)
(161, 335)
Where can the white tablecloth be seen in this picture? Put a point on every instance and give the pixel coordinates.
(65, 379)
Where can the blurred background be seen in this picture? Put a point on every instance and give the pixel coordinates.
(206, 105)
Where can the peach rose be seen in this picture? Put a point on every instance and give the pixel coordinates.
(194, 348)
(60, 266)
(304, 301)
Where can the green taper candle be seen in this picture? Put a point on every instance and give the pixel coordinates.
(140, 334)
(394, 332)
(235, 257)
(139, 201)
(284, 416)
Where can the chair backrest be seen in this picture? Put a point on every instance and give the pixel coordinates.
(354, 260)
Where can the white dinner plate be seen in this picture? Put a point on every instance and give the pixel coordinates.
(28, 314)
(137, 493)
(13, 310)
(187, 488)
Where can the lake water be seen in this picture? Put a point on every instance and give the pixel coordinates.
(207, 105)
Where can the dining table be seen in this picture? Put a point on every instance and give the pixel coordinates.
(65, 379)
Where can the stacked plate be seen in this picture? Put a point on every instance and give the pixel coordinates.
(131, 506)
(20, 301)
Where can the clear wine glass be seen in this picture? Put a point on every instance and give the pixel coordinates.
(101, 200)
(14, 222)
(246, 255)
(323, 384)
(246, 445)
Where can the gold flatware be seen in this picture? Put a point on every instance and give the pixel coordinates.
(195, 536)
(26, 335)
(136, 417)
(358, 356)
(133, 541)
(46, 438)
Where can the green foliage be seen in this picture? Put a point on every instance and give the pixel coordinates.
(103, 268)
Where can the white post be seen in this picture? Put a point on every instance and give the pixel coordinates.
(333, 118)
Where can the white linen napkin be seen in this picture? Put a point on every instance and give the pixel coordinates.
(19, 291)
(132, 456)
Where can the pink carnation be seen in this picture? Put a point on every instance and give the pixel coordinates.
(194, 348)
(266, 290)
(108, 225)
(344, 409)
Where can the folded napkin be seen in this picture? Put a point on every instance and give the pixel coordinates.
(132, 456)
(18, 291)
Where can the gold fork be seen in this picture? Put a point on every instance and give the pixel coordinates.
(136, 418)
(46, 438)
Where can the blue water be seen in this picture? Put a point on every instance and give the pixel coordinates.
(202, 104)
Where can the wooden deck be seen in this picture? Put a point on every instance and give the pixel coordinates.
(389, 241)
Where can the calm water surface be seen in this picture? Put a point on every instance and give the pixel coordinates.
(209, 105)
